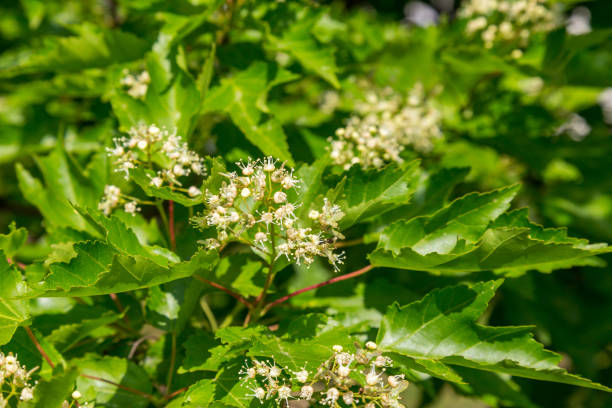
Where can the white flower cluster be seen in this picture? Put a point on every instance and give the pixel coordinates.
(136, 85)
(14, 380)
(508, 22)
(331, 383)
(253, 207)
(385, 124)
(151, 147)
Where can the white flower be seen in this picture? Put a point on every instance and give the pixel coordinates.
(280, 197)
(156, 182)
(337, 348)
(302, 376)
(131, 207)
(76, 394)
(372, 378)
(395, 380)
(331, 396)
(194, 191)
(371, 345)
(26, 394)
(261, 237)
(245, 192)
(347, 397)
(306, 392)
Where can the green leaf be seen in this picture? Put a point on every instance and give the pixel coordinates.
(465, 219)
(365, 194)
(11, 242)
(242, 97)
(116, 370)
(299, 42)
(65, 184)
(508, 251)
(91, 47)
(306, 353)
(51, 393)
(442, 327)
(67, 335)
(199, 395)
(100, 269)
(172, 100)
(13, 311)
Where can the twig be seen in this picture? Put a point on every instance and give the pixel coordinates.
(175, 393)
(42, 351)
(316, 286)
(224, 289)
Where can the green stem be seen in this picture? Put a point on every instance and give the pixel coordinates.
(209, 314)
(172, 363)
(164, 218)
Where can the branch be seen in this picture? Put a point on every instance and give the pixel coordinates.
(39, 347)
(316, 286)
(224, 289)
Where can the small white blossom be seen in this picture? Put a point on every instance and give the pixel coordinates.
(306, 392)
(26, 394)
(194, 191)
(131, 207)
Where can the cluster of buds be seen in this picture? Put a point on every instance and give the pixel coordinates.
(385, 124)
(345, 379)
(507, 22)
(113, 198)
(136, 85)
(153, 148)
(254, 208)
(14, 380)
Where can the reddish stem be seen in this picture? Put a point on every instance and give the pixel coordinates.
(171, 222)
(224, 289)
(20, 265)
(39, 347)
(316, 286)
(175, 393)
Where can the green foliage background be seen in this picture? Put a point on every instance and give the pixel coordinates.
(248, 78)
